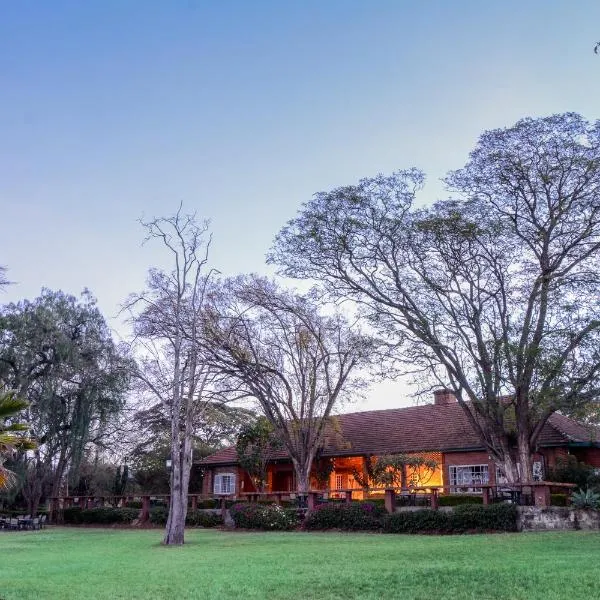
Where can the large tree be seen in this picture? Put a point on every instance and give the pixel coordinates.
(493, 292)
(168, 340)
(298, 364)
(57, 352)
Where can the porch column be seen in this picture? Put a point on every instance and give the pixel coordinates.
(348, 494)
(486, 495)
(390, 500)
(434, 499)
(541, 494)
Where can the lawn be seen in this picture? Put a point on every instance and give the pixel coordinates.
(111, 563)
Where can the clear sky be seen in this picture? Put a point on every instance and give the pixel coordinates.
(111, 111)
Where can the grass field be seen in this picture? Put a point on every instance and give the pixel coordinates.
(98, 564)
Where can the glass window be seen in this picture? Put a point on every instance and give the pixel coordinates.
(467, 476)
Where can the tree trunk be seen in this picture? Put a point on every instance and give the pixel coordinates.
(180, 480)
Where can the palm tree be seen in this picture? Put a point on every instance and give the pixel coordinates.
(12, 436)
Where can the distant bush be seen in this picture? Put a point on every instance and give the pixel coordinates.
(134, 504)
(252, 515)
(558, 500)
(194, 518)
(585, 499)
(465, 518)
(459, 500)
(570, 470)
(355, 516)
(99, 516)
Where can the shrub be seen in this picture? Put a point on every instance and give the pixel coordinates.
(259, 516)
(194, 518)
(359, 516)
(585, 499)
(459, 500)
(99, 516)
(496, 517)
(558, 499)
(200, 518)
(158, 515)
(134, 504)
(417, 521)
(468, 517)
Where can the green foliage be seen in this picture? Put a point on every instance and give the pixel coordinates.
(558, 499)
(459, 500)
(397, 470)
(99, 516)
(462, 519)
(58, 352)
(585, 499)
(273, 517)
(256, 444)
(13, 434)
(354, 516)
(194, 518)
(570, 470)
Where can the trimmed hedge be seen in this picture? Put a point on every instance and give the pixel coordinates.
(99, 516)
(558, 500)
(359, 516)
(466, 518)
(252, 515)
(459, 500)
(194, 518)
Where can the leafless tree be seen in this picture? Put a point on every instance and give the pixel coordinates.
(276, 347)
(494, 293)
(171, 363)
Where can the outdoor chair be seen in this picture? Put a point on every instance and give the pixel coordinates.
(43, 521)
(13, 524)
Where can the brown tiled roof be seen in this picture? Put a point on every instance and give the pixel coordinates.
(429, 427)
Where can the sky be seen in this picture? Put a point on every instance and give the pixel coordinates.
(113, 111)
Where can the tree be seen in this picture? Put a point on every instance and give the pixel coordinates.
(397, 470)
(257, 444)
(57, 352)
(492, 292)
(298, 364)
(3, 280)
(172, 368)
(13, 435)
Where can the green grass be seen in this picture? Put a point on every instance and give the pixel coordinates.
(109, 564)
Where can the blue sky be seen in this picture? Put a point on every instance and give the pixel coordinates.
(111, 111)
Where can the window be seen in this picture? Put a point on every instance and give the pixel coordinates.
(224, 484)
(339, 482)
(466, 476)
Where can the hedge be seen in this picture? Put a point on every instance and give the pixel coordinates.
(252, 515)
(459, 500)
(194, 518)
(101, 516)
(359, 516)
(466, 518)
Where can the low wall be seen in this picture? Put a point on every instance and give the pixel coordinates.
(533, 518)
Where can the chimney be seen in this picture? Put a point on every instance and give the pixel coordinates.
(444, 396)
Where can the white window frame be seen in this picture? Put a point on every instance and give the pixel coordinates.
(468, 486)
(224, 484)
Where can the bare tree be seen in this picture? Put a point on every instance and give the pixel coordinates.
(171, 364)
(297, 363)
(493, 293)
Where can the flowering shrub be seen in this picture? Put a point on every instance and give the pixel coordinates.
(272, 517)
(355, 516)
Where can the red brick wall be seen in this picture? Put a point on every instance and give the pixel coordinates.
(467, 458)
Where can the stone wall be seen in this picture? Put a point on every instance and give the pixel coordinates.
(533, 518)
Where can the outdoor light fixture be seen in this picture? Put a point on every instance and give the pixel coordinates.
(169, 463)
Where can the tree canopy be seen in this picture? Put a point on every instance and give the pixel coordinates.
(492, 292)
